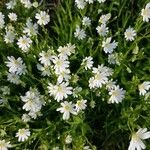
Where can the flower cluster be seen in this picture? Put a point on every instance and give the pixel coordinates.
(85, 74)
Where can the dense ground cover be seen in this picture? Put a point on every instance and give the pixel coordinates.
(75, 75)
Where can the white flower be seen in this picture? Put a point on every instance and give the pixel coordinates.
(80, 4)
(103, 69)
(108, 46)
(68, 139)
(146, 13)
(42, 17)
(136, 142)
(76, 92)
(92, 104)
(33, 101)
(66, 109)
(87, 62)
(13, 78)
(60, 91)
(130, 34)
(11, 4)
(26, 3)
(26, 118)
(4, 145)
(35, 4)
(46, 58)
(16, 66)
(5, 90)
(110, 85)
(79, 33)
(86, 21)
(9, 37)
(100, 78)
(89, 1)
(63, 76)
(101, 1)
(144, 87)
(2, 22)
(117, 95)
(102, 30)
(30, 29)
(44, 69)
(24, 43)
(104, 18)
(23, 134)
(66, 51)
(34, 114)
(86, 148)
(60, 65)
(113, 58)
(12, 16)
(92, 83)
(80, 105)
(56, 148)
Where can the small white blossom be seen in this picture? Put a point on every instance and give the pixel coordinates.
(86, 21)
(102, 30)
(104, 18)
(108, 45)
(80, 4)
(63, 76)
(146, 13)
(76, 92)
(2, 22)
(24, 43)
(68, 139)
(43, 18)
(80, 105)
(35, 4)
(110, 85)
(144, 87)
(33, 102)
(4, 145)
(12, 16)
(26, 118)
(89, 1)
(86, 148)
(103, 69)
(5, 90)
(101, 1)
(56, 148)
(13, 78)
(26, 3)
(23, 134)
(66, 51)
(100, 77)
(46, 58)
(87, 62)
(117, 95)
(67, 109)
(9, 37)
(113, 59)
(60, 64)
(60, 91)
(30, 29)
(16, 66)
(44, 69)
(130, 34)
(11, 4)
(136, 142)
(79, 33)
